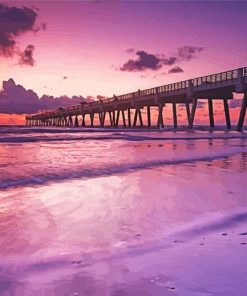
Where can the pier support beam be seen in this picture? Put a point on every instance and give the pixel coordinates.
(138, 114)
(135, 117)
(174, 109)
(187, 105)
(76, 121)
(242, 113)
(123, 116)
(129, 118)
(83, 122)
(110, 117)
(117, 118)
(102, 119)
(70, 122)
(211, 113)
(91, 119)
(149, 116)
(140, 117)
(193, 111)
(160, 122)
(114, 118)
(227, 114)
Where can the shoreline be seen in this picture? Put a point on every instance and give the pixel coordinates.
(220, 127)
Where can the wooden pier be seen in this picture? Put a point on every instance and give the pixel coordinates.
(128, 108)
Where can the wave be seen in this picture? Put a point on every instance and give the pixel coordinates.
(27, 130)
(114, 170)
(122, 136)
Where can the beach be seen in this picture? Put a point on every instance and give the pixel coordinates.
(118, 212)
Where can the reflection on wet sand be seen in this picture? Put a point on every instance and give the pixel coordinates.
(155, 226)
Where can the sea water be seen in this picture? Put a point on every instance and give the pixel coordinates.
(122, 212)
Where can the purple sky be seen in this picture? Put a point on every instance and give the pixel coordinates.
(104, 48)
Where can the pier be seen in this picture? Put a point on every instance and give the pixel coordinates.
(126, 110)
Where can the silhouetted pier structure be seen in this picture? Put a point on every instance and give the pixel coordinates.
(220, 86)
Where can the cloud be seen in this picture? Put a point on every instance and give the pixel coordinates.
(16, 99)
(175, 69)
(14, 22)
(26, 57)
(148, 61)
(130, 50)
(43, 26)
(186, 53)
(169, 61)
(65, 77)
(145, 61)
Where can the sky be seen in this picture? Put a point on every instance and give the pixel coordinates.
(90, 48)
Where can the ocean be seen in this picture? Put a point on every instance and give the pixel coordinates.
(122, 212)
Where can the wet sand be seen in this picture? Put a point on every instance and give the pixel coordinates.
(170, 228)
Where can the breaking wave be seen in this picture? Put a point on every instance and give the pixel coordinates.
(108, 170)
(121, 136)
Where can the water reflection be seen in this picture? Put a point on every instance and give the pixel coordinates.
(135, 221)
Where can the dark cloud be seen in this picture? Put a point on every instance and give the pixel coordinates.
(14, 22)
(26, 57)
(188, 52)
(144, 61)
(175, 69)
(130, 50)
(16, 99)
(169, 61)
(65, 77)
